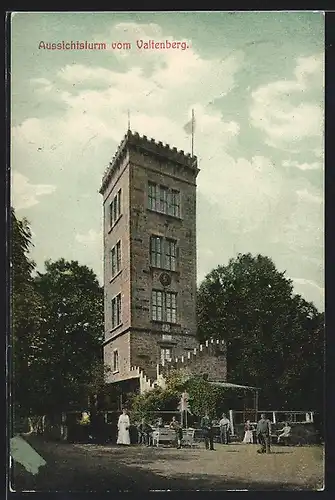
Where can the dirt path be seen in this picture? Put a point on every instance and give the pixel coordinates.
(88, 467)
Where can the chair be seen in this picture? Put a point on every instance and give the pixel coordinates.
(285, 440)
(188, 437)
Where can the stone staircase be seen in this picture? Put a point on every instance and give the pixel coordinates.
(204, 356)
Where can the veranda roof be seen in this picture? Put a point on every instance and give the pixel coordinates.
(234, 386)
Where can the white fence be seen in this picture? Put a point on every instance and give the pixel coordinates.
(277, 416)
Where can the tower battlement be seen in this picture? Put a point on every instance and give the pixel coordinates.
(196, 361)
(133, 140)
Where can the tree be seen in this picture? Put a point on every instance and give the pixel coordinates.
(72, 319)
(203, 397)
(250, 304)
(26, 307)
(145, 405)
(302, 379)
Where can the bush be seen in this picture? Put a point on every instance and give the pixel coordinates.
(202, 397)
(143, 405)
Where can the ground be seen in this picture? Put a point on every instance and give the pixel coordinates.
(89, 467)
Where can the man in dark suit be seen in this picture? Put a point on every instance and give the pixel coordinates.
(176, 426)
(264, 434)
(206, 425)
(144, 433)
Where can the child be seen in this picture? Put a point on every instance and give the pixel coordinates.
(248, 435)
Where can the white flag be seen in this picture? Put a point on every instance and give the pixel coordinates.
(184, 404)
(190, 126)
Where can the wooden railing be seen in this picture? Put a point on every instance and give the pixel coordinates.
(276, 416)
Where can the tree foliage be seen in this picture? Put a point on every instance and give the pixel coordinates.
(26, 307)
(57, 330)
(204, 397)
(274, 338)
(72, 332)
(158, 399)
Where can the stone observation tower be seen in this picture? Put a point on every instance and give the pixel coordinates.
(149, 200)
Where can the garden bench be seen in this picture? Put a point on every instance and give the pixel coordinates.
(163, 435)
(168, 436)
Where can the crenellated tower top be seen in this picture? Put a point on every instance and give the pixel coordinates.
(132, 140)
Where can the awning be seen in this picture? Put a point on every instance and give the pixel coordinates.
(234, 386)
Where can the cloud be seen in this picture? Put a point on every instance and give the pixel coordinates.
(303, 281)
(245, 191)
(304, 194)
(40, 81)
(310, 290)
(89, 250)
(302, 166)
(92, 237)
(273, 110)
(42, 85)
(25, 194)
(301, 221)
(308, 68)
(96, 99)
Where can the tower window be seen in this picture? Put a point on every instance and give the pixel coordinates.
(153, 196)
(163, 253)
(170, 254)
(164, 200)
(157, 305)
(115, 209)
(116, 311)
(116, 258)
(174, 205)
(165, 354)
(164, 196)
(164, 306)
(171, 307)
(115, 361)
(156, 251)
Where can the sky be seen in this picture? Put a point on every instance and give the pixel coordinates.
(256, 83)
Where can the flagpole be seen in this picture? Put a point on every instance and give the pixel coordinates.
(192, 123)
(128, 120)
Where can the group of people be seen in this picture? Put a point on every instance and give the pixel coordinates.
(262, 431)
(207, 427)
(264, 434)
(145, 430)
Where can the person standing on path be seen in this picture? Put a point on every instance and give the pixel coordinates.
(224, 429)
(123, 436)
(248, 434)
(264, 434)
(206, 425)
(176, 426)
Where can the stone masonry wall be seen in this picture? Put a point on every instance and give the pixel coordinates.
(145, 223)
(122, 345)
(119, 232)
(145, 349)
(209, 358)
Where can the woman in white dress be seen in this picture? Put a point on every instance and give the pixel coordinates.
(123, 436)
(248, 435)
